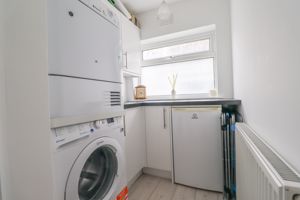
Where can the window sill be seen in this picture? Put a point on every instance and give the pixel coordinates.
(181, 97)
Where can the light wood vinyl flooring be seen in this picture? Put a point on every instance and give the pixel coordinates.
(154, 188)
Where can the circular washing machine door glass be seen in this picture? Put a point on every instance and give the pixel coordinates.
(96, 172)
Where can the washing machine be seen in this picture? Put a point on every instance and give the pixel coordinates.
(89, 161)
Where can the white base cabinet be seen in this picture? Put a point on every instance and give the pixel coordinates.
(135, 141)
(148, 139)
(158, 137)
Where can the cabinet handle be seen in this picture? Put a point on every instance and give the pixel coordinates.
(124, 125)
(164, 115)
(126, 60)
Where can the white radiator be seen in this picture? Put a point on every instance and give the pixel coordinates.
(262, 174)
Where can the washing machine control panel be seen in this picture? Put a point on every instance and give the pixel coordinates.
(108, 123)
(68, 134)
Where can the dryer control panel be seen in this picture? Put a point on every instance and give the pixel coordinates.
(64, 135)
(103, 10)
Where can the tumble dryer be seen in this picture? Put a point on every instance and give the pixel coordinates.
(84, 61)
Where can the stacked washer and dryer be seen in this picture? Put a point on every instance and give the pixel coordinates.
(85, 101)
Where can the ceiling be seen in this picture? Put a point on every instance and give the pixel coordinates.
(140, 6)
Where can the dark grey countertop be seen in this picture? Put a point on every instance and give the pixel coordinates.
(183, 102)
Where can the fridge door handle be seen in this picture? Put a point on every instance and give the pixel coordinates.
(198, 109)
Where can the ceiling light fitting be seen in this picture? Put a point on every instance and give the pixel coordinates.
(164, 13)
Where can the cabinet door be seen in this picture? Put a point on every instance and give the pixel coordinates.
(131, 46)
(135, 141)
(158, 137)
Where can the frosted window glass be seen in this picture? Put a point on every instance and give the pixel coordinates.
(194, 77)
(177, 50)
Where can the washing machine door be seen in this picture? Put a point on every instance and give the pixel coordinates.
(97, 171)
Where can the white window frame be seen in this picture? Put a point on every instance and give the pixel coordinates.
(160, 43)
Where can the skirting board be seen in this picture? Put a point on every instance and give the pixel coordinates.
(152, 172)
(157, 172)
(134, 179)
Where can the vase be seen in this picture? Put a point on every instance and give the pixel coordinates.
(173, 92)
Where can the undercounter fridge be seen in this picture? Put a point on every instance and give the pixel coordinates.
(197, 147)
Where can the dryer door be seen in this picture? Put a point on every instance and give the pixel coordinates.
(82, 43)
(97, 171)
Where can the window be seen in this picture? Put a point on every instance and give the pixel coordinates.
(191, 58)
(194, 77)
(177, 50)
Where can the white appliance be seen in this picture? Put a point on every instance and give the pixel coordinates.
(74, 100)
(89, 160)
(84, 62)
(197, 147)
(84, 40)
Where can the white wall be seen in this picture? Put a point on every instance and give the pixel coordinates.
(266, 46)
(2, 131)
(190, 14)
(2, 110)
(28, 129)
(3, 156)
